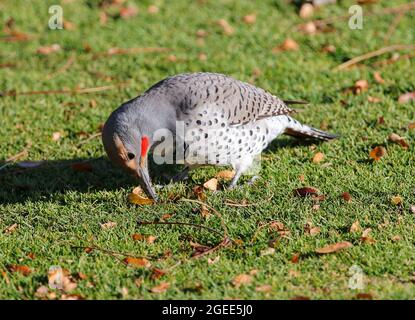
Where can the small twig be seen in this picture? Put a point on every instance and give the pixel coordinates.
(120, 51)
(68, 63)
(65, 91)
(259, 229)
(181, 224)
(231, 203)
(396, 47)
(93, 136)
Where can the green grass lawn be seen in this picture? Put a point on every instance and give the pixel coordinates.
(58, 209)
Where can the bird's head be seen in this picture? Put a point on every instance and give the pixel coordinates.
(128, 147)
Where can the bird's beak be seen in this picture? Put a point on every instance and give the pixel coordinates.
(145, 179)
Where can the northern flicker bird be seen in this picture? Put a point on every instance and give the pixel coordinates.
(215, 119)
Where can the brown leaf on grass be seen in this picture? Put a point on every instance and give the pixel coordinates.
(264, 288)
(23, 269)
(72, 297)
(355, 227)
(378, 77)
(198, 248)
(48, 50)
(377, 153)
(138, 197)
(108, 225)
(329, 48)
(152, 9)
(406, 97)
(268, 251)
(128, 12)
(242, 279)
(42, 292)
(288, 45)
(150, 239)
(318, 157)
(411, 126)
(381, 120)
(162, 287)
(82, 167)
(10, 229)
(396, 238)
(82, 276)
(412, 209)
(346, 197)
(364, 296)
(399, 140)
(103, 18)
(365, 236)
(310, 229)
(204, 211)
(309, 28)
(157, 274)
(198, 191)
(306, 191)
(137, 262)
(5, 277)
(61, 279)
(334, 247)
(56, 136)
(225, 174)
(396, 200)
(166, 216)
(227, 29)
(31, 256)
(315, 230)
(214, 260)
(373, 99)
(295, 258)
(67, 25)
(211, 184)
(139, 237)
(306, 11)
(360, 86)
(300, 298)
(250, 18)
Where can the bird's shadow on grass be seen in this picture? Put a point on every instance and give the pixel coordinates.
(85, 175)
(42, 182)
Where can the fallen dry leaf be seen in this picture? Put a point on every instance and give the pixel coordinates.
(242, 279)
(150, 239)
(68, 25)
(355, 227)
(406, 97)
(198, 191)
(288, 45)
(198, 248)
(211, 184)
(378, 77)
(108, 225)
(227, 29)
(318, 157)
(364, 296)
(72, 297)
(306, 191)
(295, 258)
(346, 197)
(300, 298)
(23, 269)
(250, 18)
(309, 28)
(137, 262)
(264, 288)
(162, 287)
(329, 48)
(306, 11)
(377, 153)
(334, 247)
(56, 136)
(411, 126)
(360, 86)
(157, 274)
(61, 279)
(399, 140)
(396, 200)
(138, 197)
(10, 229)
(365, 236)
(315, 230)
(225, 174)
(48, 50)
(152, 9)
(373, 99)
(267, 251)
(128, 12)
(413, 209)
(214, 260)
(42, 292)
(396, 238)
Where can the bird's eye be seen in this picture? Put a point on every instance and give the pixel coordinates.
(130, 155)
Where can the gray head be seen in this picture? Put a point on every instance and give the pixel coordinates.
(127, 144)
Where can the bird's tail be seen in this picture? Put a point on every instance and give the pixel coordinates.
(298, 130)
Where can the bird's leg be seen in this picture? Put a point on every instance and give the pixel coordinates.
(235, 179)
(182, 175)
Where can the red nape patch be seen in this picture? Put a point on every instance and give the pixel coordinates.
(144, 145)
